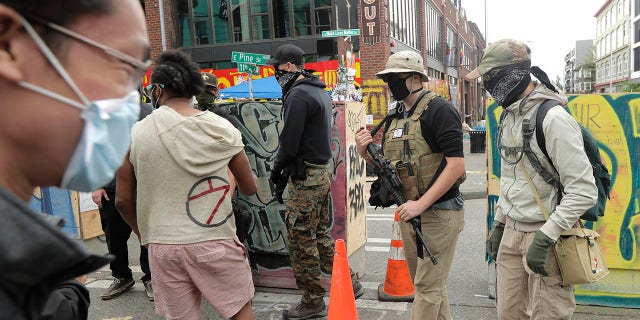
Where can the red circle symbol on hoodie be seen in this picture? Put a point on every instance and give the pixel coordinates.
(204, 200)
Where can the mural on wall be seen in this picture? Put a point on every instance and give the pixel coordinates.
(614, 120)
(375, 98)
(267, 242)
(440, 87)
(325, 70)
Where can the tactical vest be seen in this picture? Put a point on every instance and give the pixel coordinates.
(412, 156)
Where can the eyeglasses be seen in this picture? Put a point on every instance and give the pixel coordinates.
(147, 90)
(139, 67)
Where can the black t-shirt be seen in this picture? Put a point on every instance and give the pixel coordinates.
(442, 129)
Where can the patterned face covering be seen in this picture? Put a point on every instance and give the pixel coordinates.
(506, 84)
(286, 79)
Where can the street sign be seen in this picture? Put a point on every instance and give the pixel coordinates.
(254, 58)
(248, 68)
(341, 33)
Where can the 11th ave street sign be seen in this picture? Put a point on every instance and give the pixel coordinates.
(341, 33)
(250, 58)
(248, 68)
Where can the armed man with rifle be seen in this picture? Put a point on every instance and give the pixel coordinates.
(422, 146)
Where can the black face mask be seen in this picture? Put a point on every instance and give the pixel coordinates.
(206, 98)
(398, 87)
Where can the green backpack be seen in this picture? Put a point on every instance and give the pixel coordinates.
(600, 171)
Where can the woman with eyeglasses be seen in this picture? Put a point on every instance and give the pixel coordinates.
(175, 193)
(68, 75)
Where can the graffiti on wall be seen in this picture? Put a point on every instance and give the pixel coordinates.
(356, 177)
(260, 128)
(440, 87)
(374, 97)
(325, 70)
(615, 122)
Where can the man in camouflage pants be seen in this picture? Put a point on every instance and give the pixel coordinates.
(303, 163)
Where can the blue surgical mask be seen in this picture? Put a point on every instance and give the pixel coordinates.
(104, 143)
(106, 134)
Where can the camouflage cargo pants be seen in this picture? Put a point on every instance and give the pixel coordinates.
(308, 219)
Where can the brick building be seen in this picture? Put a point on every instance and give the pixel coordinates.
(209, 30)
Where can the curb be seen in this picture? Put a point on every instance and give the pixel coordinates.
(469, 195)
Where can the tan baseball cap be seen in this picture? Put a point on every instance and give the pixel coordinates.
(501, 53)
(404, 62)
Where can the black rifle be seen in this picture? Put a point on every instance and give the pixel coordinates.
(390, 181)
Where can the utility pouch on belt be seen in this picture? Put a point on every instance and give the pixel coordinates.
(409, 180)
(299, 172)
(579, 256)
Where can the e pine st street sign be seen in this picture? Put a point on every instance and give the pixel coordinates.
(249, 58)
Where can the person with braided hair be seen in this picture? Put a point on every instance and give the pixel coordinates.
(179, 155)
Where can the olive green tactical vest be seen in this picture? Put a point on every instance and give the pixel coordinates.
(412, 156)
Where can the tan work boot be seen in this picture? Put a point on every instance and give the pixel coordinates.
(306, 311)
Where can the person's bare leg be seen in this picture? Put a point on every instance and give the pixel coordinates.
(246, 313)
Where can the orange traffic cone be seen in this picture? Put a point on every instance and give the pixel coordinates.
(342, 303)
(397, 285)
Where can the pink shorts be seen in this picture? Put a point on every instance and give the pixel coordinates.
(183, 273)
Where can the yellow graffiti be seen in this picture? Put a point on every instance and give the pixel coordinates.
(618, 230)
(440, 87)
(597, 115)
(374, 96)
(330, 77)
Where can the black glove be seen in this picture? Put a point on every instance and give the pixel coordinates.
(493, 243)
(277, 177)
(280, 190)
(280, 182)
(537, 253)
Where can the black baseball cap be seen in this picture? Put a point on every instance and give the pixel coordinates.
(287, 53)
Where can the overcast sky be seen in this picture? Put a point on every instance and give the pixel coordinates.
(549, 27)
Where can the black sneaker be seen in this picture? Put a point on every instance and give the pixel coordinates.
(306, 311)
(358, 289)
(148, 289)
(116, 288)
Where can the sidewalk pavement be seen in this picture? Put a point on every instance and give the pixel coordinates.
(475, 187)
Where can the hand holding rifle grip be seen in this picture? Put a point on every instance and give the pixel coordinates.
(389, 179)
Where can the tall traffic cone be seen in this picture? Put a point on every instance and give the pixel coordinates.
(397, 285)
(342, 303)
